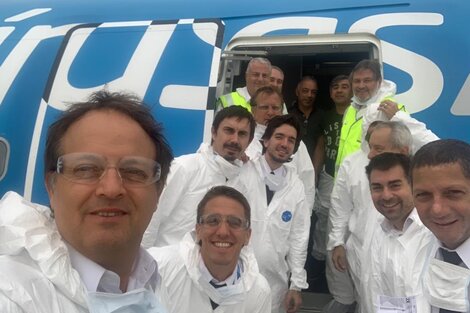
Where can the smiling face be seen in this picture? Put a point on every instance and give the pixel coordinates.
(97, 219)
(277, 79)
(257, 75)
(280, 147)
(306, 93)
(364, 84)
(221, 244)
(231, 138)
(442, 198)
(391, 194)
(340, 92)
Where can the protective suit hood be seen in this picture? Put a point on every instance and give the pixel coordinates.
(387, 89)
(28, 228)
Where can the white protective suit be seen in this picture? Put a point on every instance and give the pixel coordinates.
(301, 162)
(190, 177)
(36, 274)
(184, 290)
(421, 135)
(394, 264)
(352, 210)
(279, 231)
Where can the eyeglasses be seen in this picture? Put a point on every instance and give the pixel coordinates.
(214, 220)
(90, 168)
(265, 107)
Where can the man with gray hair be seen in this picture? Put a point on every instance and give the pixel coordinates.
(257, 75)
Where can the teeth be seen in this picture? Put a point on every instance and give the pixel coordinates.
(109, 214)
(222, 244)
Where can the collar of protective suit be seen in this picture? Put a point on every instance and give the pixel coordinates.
(228, 169)
(387, 89)
(228, 295)
(243, 91)
(28, 228)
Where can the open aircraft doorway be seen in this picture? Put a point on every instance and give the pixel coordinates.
(322, 56)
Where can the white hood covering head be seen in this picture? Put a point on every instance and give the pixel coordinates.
(386, 89)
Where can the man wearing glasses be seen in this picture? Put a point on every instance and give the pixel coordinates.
(280, 216)
(212, 267)
(106, 162)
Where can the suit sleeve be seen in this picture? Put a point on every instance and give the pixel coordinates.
(341, 208)
(298, 240)
(176, 186)
(421, 135)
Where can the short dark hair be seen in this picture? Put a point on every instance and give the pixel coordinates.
(268, 90)
(387, 160)
(443, 152)
(307, 78)
(371, 65)
(224, 191)
(277, 122)
(235, 111)
(337, 79)
(126, 104)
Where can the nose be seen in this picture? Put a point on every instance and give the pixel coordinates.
(438, 208)
(386, 194)
(223, 229)
(371, 154)
(110, 185)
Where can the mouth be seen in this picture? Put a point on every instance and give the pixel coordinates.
(108, 213)
(444, 223)
(222, 244)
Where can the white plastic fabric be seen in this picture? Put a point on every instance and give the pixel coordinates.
(351, 212)
(394, 265)
(184, 289)
(447, 286)
(36, 275)
(190, 177)
(279, 231)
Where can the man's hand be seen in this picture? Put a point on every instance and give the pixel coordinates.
(293, 301)
(244, 157)
(389, 108)
(339, 258)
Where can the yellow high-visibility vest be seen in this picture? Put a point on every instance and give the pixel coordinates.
(233, 98)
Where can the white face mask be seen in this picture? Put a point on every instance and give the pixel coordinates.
(135, 301)
(228, 169)
(446, 286)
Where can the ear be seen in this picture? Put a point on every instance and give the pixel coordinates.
(264, 142)
(248, 236)
(213, 132)
(49, 181)
(198, 232)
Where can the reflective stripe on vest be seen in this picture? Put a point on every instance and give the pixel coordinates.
(234, 98)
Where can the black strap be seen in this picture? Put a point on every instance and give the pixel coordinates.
(269, 194)
(450, 257)
(453, 258)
